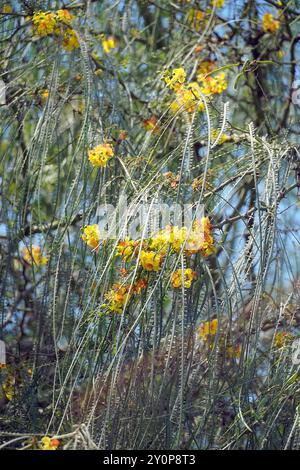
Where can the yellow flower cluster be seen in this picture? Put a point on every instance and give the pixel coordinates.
(185, 275)
(91, 236)
(7, 9)
(218, 3)
(214, 133)
(33, 255)
(121, 294)
(198, 182)
(64, 16)
(48, 443)
(195, 18)
(127, 248)
(174, 238)
(171, 179)
(269, 23)
(201, 239)
(117, 297)
(282, 338)
(70, 40)
(109, 43)
(9, 387)
(205, 67)
(100, 155)
(175, 79)
(213, 85)
(46, 23)
(233, 352)
(197, 240)
(208, 329)
(207, 332)
(44, 94)
(188, 97)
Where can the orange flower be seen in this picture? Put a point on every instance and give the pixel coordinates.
(117, 297)
(269, 23)
(151, 125)
(139, 286)
(49, 444)
(233, 352)
(123, 135)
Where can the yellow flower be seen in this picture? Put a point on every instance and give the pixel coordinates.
(100, 155)
(177, 237)
(269, 23)
(188, 98)
(91, 235)
(126, 248)
(175, 79)
(108, 44)
(200, 240)
(171, 179)
(280, 54)
(234, 351)
(150, 261)
(208, 329)
(159, 241)
(9, 387)
(195, 18)
(117, 297)
(151, 125)
(48, 443)
(213, 85)
(198, 182)
(187, 275)
(44, 94)
(64, 16)
(34, 255)
(44, 23)
(218, 3)
(121, 294)
(139, 286)
(282, 338)
(70, 40)
(214, 133)
(7, 9)
(205, 67)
